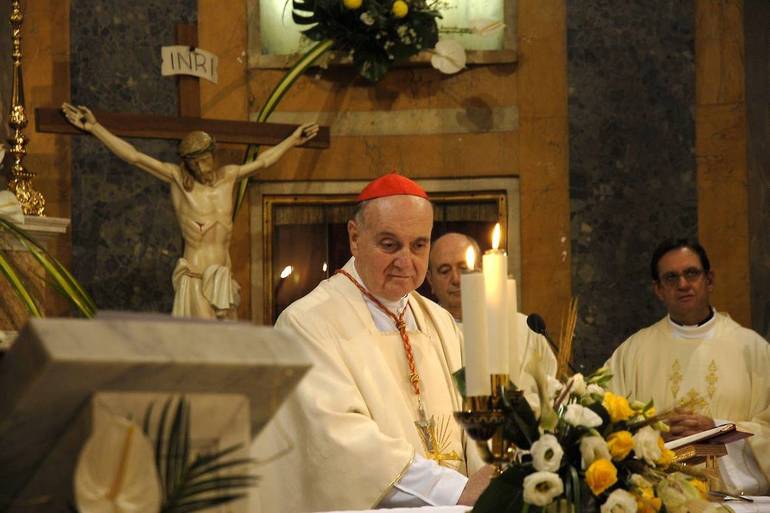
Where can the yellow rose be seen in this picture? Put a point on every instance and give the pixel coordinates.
(667, 456)
(620, 444)
(352, 4)
(617, 406)
(601, 474)
(701, 487)
(646, 501)
(399, 9)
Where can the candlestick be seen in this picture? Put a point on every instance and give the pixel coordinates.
(495, 263)
(474, 329)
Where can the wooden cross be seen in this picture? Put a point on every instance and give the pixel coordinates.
(151, 126)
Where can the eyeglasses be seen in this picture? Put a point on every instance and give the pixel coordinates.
(691, 275)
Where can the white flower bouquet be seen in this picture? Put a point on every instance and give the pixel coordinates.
(589, 450)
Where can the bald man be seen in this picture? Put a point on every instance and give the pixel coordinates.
(445, 265)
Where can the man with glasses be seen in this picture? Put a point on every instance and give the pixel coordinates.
(703, 363)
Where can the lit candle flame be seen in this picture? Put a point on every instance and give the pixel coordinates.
(324, 267)
(496, 236)
(470, 258)
(286, 271)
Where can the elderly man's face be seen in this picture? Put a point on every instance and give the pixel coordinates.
(392, 244)
(447, 261)
(684, 286)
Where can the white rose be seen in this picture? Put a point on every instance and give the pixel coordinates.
(540, 488)
(619, 501)
(595, 389)
(581, 416)
(639, 481)
(547, 454)
(593, 448)
(578, 384)
(646, 445)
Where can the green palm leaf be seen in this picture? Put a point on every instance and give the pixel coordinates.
(18, 286)
(62, 279)
(193, 485)
(274, 98)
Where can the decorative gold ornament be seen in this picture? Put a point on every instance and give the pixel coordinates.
(32, 202)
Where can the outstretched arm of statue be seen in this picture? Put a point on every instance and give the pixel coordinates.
(300, 136)
(84, 119)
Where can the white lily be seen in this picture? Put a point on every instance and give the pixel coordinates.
(485, 27)
(578, 415)
(116, 470)
(448, 56)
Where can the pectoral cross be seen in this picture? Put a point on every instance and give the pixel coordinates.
(435, 440)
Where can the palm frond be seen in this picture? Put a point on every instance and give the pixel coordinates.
(63, 280)
(191, 484)
(8, 270)
(272, 101)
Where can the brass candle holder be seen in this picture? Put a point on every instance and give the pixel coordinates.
(32, 201)
(483, 418)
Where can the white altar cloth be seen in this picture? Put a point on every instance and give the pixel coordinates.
(761, 504)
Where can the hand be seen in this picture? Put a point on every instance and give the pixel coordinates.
(80, 116)
(476, 485)
(685, 423)
(304, 133)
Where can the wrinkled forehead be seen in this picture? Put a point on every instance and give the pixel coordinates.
(679, 259)
(449, 249)
(398, 209)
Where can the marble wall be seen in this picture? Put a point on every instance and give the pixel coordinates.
(125, 235)
(631, 82)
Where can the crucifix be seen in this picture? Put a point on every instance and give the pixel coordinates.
(202, 192)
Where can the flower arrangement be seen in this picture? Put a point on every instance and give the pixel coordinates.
(589, 450)
(375, 33)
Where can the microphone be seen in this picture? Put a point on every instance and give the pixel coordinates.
(536, 323)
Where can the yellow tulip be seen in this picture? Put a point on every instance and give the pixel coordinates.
(352, 4)
(617, 406)
(400, 8)
(620, 444)
(601, 474)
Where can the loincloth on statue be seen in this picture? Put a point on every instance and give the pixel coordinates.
(217, 288)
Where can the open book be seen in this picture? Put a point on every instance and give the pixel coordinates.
(723, 434)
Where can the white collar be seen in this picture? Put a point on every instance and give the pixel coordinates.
(395, 307)
(703, 331)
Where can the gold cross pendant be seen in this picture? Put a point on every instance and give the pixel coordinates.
(436, 441)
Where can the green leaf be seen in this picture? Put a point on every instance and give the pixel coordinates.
(160, 444)
(504, 493)
(218, 466)
(274, 98)
(66, 283)
(577, 500)
(18, 286)
(459, 379)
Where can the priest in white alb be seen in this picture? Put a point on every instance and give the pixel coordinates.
(702, 358)
(371, 424)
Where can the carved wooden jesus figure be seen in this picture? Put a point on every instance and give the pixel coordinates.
(203, 199)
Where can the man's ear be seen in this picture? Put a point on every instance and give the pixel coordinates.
(710, 280)
(657, 288)
(353, 236)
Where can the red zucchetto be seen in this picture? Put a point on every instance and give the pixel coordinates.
(392, 184)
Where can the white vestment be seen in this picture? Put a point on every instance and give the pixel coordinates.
(722, 366)
(347, 434)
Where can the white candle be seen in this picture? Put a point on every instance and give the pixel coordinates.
(495, 264)
(475, 353)
(514, 332)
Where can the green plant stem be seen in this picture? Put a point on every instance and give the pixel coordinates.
(277, 94)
